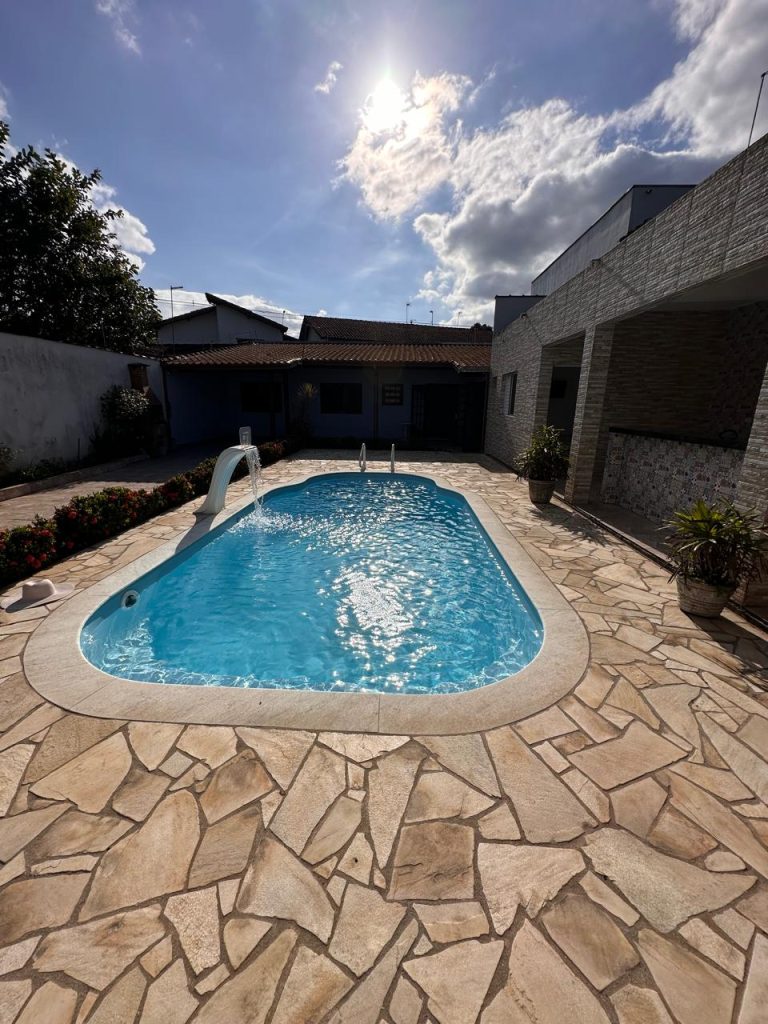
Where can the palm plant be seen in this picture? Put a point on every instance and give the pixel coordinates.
(546, 458)
(716, 544)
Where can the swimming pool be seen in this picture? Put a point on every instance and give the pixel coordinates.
(346, 582)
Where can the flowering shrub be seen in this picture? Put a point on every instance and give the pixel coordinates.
(91, 518)
(26, 549)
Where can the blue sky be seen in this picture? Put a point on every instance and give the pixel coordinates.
(349, 157)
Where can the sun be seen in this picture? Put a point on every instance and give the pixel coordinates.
(385, 108)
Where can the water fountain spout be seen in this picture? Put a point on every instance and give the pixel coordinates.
(225, 467)
(362, 460)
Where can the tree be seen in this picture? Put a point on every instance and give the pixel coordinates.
(62, 273)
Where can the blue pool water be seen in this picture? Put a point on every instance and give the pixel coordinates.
(347, 582)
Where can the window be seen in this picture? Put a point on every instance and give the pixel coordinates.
(391, 394)
(341, 398)
(261, 396)
(510, 388)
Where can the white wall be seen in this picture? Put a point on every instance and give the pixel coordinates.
(217, 325)
(50, 394)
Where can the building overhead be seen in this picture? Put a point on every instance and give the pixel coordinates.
(220, 323)
(331, 328)
(636, 207)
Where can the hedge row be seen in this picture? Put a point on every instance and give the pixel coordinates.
(86, 520)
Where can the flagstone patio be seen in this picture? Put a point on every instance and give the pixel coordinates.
(603, 860)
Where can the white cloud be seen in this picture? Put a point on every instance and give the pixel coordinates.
(331, 76)
(121, 13)
(3, 102)
(185, 301)
(520, 191)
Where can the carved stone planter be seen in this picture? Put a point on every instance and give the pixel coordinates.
(704, 599)
(541, 491)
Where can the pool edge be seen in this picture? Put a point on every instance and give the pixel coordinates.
(56, 668)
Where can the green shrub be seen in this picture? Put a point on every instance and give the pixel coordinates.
(24, 550)
(716, 544)
(546, 458)
(176, 491)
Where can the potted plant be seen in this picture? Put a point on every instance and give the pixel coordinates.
(713, 548)
(543, 463)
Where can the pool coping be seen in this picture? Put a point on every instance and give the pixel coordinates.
(57, 669)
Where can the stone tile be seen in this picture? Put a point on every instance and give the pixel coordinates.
(213, 744)
(363, 1004)
(540, 988)
(225, 847)
(52, 1003)
(675, 834)
(365, 925)
(552, 756)
(17, 699)
(590, 939)
(158, 957)
(66, 740)
(335, 888)
(176, 765)
(433, 860)
(720, 822)
(755, 996)
(121, 1003)
(743, 762)
(15, 867)
(499, 824)
(589, 721)
(91, 778)
(664, 889)
(98, 952)
(441, 795)
(195, 916)
(322, 778)
(357, 860)
(269, 805)
(636, 1005)
(722, 860)
(754, 732)
(466, 757)
(545, 807)
(334, 831)
(456, 979)
(592, 797)
(278, 884)
(78, 832)
(234, 784)
(192, 778)
(41, 718)
(60, 865)
(736, 927)
(13, 995)
(625, 697)
(167, 840)
(151, 741)
(249, 994)
(139, 794)
(361, 747)
(13, 763)
(595, 686)
(694, 990)
(314, 987)
(673, 705)
(169, 1000)
(12, 958)
(228, 894)
(452, 922)
(527, 876)
(721, 783)
(406, 1002)
(280, 750)
(710, 944)
(637, 752)
(389, 788)
(33, 904)
(601, 893)
(16, 832)
(241, 936)
(545, 725)
(212, 981)
(755, 907)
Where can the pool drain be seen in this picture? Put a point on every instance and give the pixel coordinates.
(130, 598)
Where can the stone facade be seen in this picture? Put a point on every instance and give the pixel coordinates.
(663, 338)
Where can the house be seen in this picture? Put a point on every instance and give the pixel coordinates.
(220, 323)
(411, 384)
(652, 357)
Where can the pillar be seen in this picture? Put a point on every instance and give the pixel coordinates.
(590, 403)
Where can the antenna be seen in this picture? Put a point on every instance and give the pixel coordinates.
(407, 307)
(432, 314)
(757, 104)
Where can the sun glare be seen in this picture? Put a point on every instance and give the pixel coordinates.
(385, 107)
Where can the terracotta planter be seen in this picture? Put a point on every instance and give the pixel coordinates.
(541, 491)
(704, 599)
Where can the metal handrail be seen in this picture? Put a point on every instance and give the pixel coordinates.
(362, 460)
(392, 460)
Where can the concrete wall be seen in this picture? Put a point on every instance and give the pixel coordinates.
(509, 307)
(50, 395)
(218, 325)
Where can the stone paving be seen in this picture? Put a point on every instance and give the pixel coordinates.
(604, 860)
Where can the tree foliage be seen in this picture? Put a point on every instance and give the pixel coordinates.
(62, 273)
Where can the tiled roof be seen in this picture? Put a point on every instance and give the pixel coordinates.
(216, 300)
(460, 356)
(381, 332)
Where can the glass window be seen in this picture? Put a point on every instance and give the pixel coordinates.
(341, 398)
(510, 390)
(261, 396)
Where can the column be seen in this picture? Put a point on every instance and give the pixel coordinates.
(590, 403)
(752, 490)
